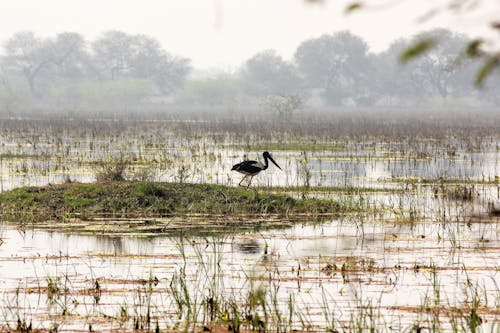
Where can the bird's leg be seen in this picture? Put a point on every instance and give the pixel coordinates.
(241, 181)
(251, 188)
(250, 182)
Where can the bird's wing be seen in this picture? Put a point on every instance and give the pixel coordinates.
(248, 167)
(244, 164)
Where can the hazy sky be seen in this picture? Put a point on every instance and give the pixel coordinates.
(224, 33)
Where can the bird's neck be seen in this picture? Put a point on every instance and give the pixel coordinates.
(266, 163)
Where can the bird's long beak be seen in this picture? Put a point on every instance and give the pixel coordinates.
(272, 160)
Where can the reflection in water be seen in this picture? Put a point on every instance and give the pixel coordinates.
(385, 260)
(249, 246)
(358, 165)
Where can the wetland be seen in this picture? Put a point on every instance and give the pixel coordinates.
(371, 225)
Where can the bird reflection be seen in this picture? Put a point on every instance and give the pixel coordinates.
(248, 246)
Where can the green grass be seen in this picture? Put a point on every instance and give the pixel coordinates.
(440, 180)
(293, 146)
(332, 189)
(147, 199)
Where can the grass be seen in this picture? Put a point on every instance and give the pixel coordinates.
(125, 199)
(333, 189)
(207, 283)
(312, 146)
(440, 180)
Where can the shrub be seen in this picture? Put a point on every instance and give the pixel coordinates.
(112, 170)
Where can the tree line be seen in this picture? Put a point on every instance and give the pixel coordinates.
(66, 69)
(339, 69)
(335, 69)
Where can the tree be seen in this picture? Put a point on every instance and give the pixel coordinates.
(27, 54)
(35, 57)
(266, 73)
(439, 72)
(478, 48)
(117, 54)
(70, 56)
(171, 73)
(339, 65)
(112, 53)
(283, 106)
(400, 82)
(437, 68)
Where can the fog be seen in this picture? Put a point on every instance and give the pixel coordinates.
(225, 33)
(274, 56)
(131, 133)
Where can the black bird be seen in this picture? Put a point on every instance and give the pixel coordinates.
(252, 168)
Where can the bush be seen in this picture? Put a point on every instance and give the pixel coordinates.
(112, 170)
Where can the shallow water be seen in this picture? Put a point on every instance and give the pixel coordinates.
(418, 250)
(386, 263)
(169, 158)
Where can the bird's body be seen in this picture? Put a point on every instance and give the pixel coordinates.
(252, 168)
(249, 168)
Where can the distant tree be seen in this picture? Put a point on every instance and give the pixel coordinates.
(441, 71)
(395, 79)
(283, 106)
(482, 48)
(438, 67)
(171, 73)
(117, 54)
(112, 53)
(71, 58)
(35, 58)
(28, 55)
(340, 65)
(266, 73)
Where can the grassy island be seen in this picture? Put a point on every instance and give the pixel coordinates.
(154, 207)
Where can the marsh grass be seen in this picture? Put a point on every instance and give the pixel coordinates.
(460, 193)
(304, 144)
(194, 293)
(194, 298)
(112, 170)
(150, 200)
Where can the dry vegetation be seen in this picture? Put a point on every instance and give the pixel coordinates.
(415, 248)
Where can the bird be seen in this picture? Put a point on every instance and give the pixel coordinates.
(252, 168)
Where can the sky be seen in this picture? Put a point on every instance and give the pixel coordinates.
(224, 33)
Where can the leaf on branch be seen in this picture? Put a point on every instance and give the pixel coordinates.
(433, 12)
(417, 49)
(353, 6)
(472, 49)
(489, 65)
(495, 25)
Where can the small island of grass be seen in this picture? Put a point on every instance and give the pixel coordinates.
(154, 207)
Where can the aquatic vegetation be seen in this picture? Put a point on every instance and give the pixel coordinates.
(143, 200)
(372, 225)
